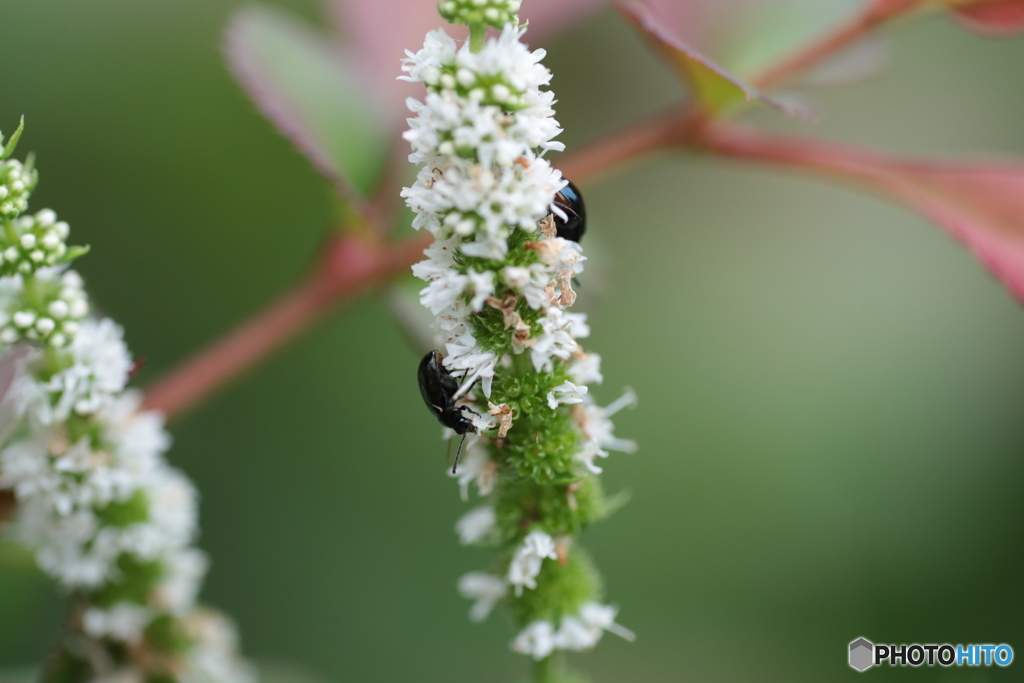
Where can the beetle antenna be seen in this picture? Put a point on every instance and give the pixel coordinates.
(458, 453)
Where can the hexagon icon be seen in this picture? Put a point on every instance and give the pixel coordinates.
(862, 654)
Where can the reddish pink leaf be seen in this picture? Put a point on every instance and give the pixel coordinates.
(306, 86)
(380, 32)
(998, 17)
(980, 203)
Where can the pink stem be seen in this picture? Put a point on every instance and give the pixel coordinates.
(351, 265)
(661, 131)
(876, 13)
(842, 161)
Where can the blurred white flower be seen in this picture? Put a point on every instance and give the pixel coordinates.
(485, 589)
(526, 563)
(476, 525)
(536, 640)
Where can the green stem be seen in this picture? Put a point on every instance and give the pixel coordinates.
(545, 670)
(9, 232)
(477, 36)
(549, 670)
(522, 364)
(33, 295)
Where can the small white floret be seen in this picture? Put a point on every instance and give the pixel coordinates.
(58, 309)
(526, 563)
(536, 640)
(46, 217)
(486, 589)
(476, 525)
(45, 325)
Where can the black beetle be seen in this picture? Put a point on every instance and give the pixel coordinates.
(438, 389)
(570, 201)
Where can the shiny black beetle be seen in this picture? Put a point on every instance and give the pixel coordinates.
(570, 201)
(439, 388)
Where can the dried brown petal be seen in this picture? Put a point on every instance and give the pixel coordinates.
(568, 297)
(504, 414)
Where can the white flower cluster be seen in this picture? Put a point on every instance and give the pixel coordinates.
(580, 632)
(211, 659)
(540, 638)
(480, 135)
(108, 518)
(486, 193)
(523, 570)
(87, 501)
(596, 425)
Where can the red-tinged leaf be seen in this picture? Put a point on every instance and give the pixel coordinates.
(714, 88)
(380, 31)
(306, 87)
(996, 17)
(979, 203)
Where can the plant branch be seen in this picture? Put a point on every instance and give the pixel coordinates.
(750, 144)
(875, 14)
(658, 132)
(355, 264)
(351, 265)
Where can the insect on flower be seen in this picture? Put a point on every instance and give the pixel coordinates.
(438, 388)
(570, 202)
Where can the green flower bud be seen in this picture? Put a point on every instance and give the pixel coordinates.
(494, 13)
(45, 309)
(33, 242)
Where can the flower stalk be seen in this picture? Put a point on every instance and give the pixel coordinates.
(500, 275)
(105, 514)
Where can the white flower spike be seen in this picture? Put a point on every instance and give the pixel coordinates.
(499, 277)
(96, 499)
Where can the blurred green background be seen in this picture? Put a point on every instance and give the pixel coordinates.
(832, 391)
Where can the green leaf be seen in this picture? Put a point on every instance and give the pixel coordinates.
(307, 88)
(13, 142)
(755, 34)
(714, 88)
(72, 253)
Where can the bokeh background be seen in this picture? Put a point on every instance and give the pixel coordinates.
(832, 392)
